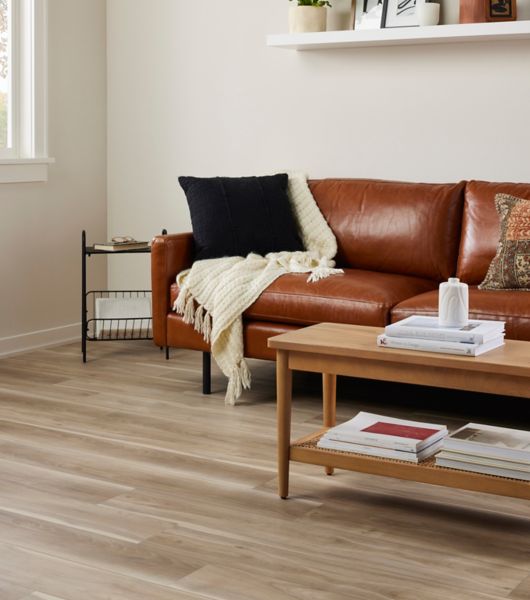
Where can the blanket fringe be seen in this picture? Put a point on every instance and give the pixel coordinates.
(189, 311)
(238, 381)
(207, 327)
(180, 302)
(199, 319)
(321, 273)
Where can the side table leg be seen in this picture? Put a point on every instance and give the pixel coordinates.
(206, 373)
(83, 296)
(329, 395)
(283, 408)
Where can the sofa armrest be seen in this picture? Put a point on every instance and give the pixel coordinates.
(170, 254)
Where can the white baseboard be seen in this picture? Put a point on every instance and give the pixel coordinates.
(39, 339)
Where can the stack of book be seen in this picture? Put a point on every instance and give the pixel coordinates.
(121, 246)
(488, 450)
(386, 437)
(425, 334)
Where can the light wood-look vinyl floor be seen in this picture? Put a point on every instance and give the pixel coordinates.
(119, 480)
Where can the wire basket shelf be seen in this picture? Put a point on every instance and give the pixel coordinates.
(117, 328)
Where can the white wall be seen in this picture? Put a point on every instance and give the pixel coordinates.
(192, 89)
(41, 223)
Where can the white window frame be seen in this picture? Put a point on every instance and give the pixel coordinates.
(27, 159)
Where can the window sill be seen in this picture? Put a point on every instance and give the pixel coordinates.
(24, 170)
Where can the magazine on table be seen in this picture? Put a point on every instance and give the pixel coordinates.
(487, 461)
(414, 457)
(491, 442)
(424, 345)
(484, 469)
(418, 326)
(387, 432)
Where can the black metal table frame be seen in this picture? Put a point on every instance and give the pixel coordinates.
(87, 251)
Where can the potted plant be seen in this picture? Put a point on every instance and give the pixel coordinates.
(308, 15)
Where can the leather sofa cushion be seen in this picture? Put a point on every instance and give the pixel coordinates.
(392, 227)
(360, 297)
(503, 305)
(481, 227)
(357, 297)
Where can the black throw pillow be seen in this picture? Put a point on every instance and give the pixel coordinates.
(234, 216)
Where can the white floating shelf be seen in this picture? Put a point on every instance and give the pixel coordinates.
(403, 36)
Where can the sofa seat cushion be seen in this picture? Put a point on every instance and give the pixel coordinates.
(503, 305)
(359, 297)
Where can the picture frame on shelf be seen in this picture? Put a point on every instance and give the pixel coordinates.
(370, 17)
(501, 10)
(487, 11)
(399, 13)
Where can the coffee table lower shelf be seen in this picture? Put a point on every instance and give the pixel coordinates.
(305, 450)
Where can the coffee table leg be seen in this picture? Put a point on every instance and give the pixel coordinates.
(283, 408)
(329, 395)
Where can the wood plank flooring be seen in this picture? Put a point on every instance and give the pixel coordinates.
(119, 480)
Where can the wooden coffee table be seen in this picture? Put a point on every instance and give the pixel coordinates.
(335, 349)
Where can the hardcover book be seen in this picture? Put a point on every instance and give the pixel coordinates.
(414, 457)
(477, 459)
(387, 432)
(117, 246)
(402, 431)
(491, 442)
(417, 326)
(484, 469)
(425, 345)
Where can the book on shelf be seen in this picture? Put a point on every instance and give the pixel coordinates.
(387, 432)
(489, 441)
(385, 437)
(117, 246)
(483, 469)
(488, 450)
(413, 457)
(429, 328)
(478, 459)
(425, 345)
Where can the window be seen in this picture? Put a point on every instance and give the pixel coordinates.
(23, 91)
(5, 75)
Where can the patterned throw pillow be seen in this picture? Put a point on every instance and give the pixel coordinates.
(510, 269)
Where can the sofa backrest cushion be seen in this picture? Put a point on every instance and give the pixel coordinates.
(394, 227)
(481, 227)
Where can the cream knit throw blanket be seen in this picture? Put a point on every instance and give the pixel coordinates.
(214, 293)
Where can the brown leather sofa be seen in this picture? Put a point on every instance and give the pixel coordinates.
(396, 243)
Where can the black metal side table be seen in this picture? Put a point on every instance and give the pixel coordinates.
(95, 329)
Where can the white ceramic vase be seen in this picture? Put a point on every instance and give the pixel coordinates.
(453, 303)
(428, 13)
(450, 12)
(303, 19)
